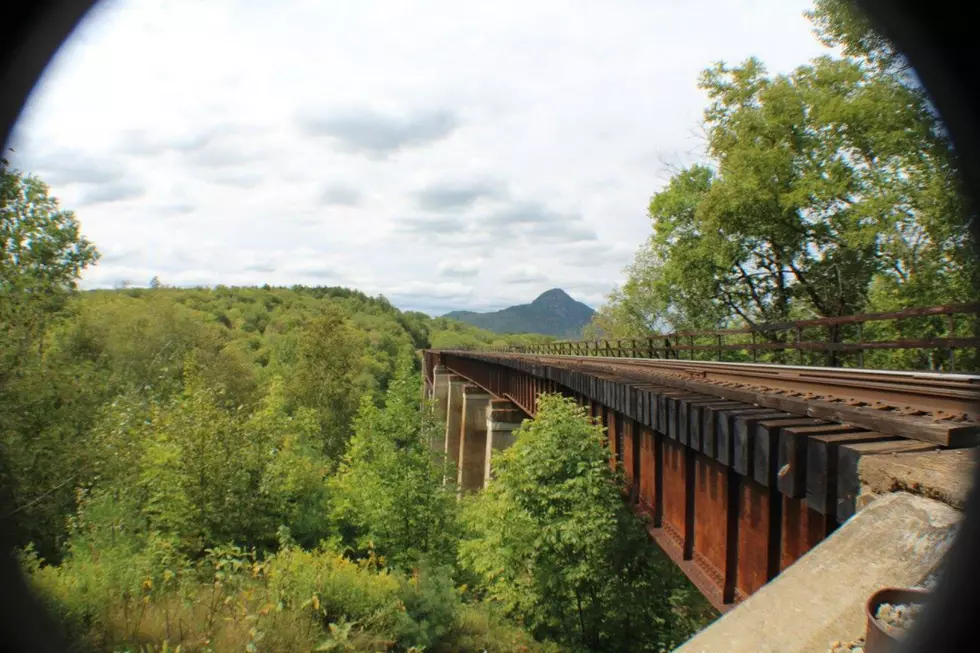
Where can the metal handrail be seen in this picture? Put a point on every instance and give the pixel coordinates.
(846, 342)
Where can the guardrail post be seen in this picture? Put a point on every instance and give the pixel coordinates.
(833, 333)
(950, 334)
(860, 342)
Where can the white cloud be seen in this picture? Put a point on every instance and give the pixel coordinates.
(459, 268)
(524, 274)
(364, 131)
(240, 142)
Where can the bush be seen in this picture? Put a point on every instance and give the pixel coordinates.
(234, 600)
(431, 605)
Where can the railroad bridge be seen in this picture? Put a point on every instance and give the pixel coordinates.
(740, 468)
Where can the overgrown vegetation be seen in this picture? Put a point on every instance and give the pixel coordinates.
(552, 540)
(246, 468)
(827, 191)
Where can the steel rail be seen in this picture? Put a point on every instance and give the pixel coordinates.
(935, 407)
(946, 399)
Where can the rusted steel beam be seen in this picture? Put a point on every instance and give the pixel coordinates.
(695, 569)
(753, 537)
(611, 419)
(636, 460)
(658, 479)
(731, 536)
(712, 523)
(674, 490)
(690, 503)
(647, 471)
(802, 529)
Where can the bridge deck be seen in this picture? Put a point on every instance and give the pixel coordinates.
(740, 469)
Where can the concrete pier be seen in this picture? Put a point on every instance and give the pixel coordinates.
(440, 397)
(454, 418)
(503, 418)
(473, 438)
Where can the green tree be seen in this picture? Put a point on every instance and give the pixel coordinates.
(829, 191)
(325, 377)
(841, 24)
(388, 493)
(293, 489)
(42, 254)
(42, 407)
(552, 540)
(196, 481)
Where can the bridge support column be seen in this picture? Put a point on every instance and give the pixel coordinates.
(454, 418)
(473, 438)
(440, 396)
(503, 418)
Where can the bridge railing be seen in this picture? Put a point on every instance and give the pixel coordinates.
(938, 338)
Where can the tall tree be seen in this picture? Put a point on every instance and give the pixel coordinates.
(42, 254)
(325, 378)
(828, 191)
(553, 541)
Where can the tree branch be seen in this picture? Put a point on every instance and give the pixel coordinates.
(810, 291)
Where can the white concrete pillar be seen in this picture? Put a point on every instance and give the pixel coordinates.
(440, 398)
(503, 418)
(454, 417)
(473, 438)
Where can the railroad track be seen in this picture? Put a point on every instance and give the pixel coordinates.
(935, 407)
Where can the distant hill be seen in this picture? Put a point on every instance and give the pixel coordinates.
(553, 313)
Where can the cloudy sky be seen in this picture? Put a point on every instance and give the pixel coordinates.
(447, 154)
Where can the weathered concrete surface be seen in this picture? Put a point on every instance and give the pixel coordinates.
(943, 475)
(473, 438)
(503, 418)
(440, 397)
(454, 417)
(896, 540)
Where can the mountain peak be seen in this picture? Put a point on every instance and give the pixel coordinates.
(553, 313)
(552, 296)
